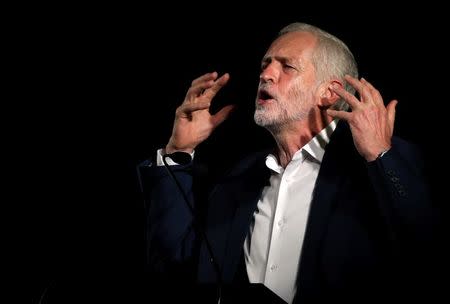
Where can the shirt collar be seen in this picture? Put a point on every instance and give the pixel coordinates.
(314, 148)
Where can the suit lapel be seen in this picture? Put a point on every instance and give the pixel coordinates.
(330, 179)
(249, 193)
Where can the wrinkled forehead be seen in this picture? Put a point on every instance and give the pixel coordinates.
(295, 45)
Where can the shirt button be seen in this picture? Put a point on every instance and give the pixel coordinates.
(273, 267)
(280, 223)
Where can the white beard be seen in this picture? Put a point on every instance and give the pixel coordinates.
(282, 111)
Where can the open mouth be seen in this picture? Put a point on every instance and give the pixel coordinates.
(264, 96)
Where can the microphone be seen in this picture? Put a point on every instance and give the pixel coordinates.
(184, 158)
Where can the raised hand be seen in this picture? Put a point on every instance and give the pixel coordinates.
(371, 123)
(193, 122)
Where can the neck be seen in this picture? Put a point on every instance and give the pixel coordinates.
(292, 137)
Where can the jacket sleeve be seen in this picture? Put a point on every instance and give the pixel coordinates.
(170, 235)
(402, 191)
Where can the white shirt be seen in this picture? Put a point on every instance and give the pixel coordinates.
(274, 241)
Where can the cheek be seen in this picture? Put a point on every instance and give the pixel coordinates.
(295, 91)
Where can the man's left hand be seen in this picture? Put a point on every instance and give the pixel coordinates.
(371, 123)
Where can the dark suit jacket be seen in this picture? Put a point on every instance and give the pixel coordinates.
(367, 233)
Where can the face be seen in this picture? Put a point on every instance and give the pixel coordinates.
(287, 87)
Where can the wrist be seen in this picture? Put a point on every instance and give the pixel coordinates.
(172, 149)
(382, 153)
(375, 156)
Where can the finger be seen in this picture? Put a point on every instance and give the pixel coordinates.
(199, 88)
(188, 108)
(377, 98)
(200, 84)
(360, 87)
(349, 98)
(391, 111)
(204, 77)
(223, 114)
(339, 114)
(218, 84)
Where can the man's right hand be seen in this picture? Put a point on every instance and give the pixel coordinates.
(193, 122)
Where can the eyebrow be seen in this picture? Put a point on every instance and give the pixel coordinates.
(283, 60)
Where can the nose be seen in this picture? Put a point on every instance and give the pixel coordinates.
(269, 73)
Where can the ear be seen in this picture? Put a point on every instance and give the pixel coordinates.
(327, 95)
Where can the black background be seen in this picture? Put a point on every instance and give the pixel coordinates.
(104, 85)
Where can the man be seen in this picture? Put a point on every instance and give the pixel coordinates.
(338, 210)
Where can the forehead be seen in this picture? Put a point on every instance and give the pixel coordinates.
(292, 45)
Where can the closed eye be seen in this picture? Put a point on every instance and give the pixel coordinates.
(287, 66)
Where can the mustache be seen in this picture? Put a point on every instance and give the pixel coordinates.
(265, 91)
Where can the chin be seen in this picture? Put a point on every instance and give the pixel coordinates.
(262, 120)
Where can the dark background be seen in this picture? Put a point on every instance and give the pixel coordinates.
(105, 83)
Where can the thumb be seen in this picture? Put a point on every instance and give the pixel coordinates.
(391, 111)
(223, 114)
